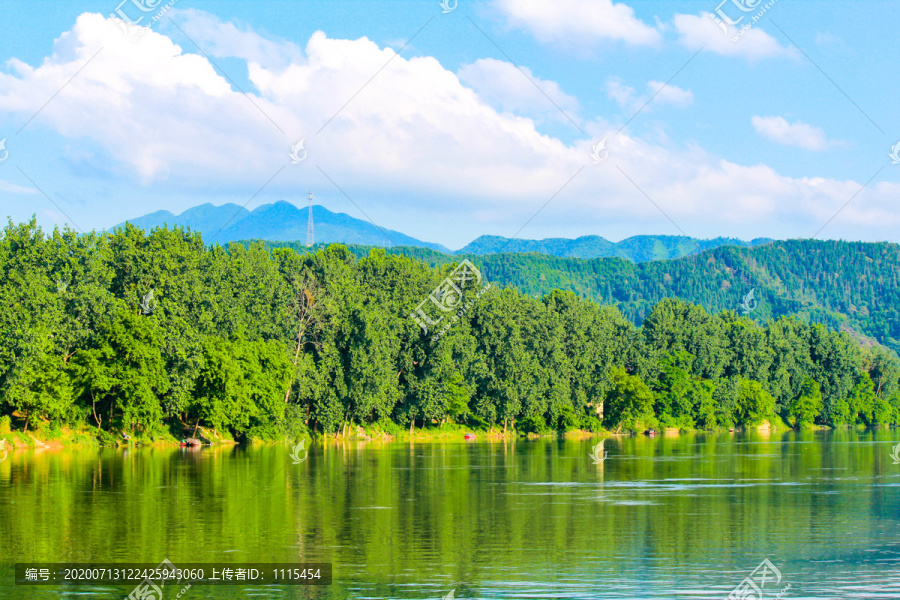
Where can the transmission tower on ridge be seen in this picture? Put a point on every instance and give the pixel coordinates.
(310, 238)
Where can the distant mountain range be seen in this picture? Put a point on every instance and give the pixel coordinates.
(284, 222)
(640, 248)
(281, 221)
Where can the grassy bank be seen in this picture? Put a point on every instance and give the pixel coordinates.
(12, 440)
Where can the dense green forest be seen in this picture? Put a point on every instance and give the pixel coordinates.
(155, 333)
(640, 248)
(850, 286)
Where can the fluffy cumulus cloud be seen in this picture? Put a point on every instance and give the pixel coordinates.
(512, 90)
(416, 133)
(588, 21)
(168, 114)
(670, 94)
(627, 97)
(578, 20)
(701, 31)
(797, 134)
(227, 40)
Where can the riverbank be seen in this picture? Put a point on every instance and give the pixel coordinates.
(91, 437)
(446, 432)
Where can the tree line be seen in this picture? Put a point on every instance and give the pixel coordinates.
(158, 333)
(853, 286)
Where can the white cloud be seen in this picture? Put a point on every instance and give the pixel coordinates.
(168, 115)
(618, 91)
(626, 96)
(702, 32)
(415, 139)
(227, 40)
(670, 94)
(12, 188)
(501, 83)
(578, 20)
(797, 133)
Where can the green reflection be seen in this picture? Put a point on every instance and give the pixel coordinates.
(692, 512)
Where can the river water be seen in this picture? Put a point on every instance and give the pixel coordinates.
(691, 516)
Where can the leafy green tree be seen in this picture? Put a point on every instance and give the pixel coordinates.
(123, 377)
(840, 413)
(42, 390)
(749, 354)
(883, 367)
(457, 397)
(240, 384)
(755, 404)
(704, 407)
(675, 325)
(725, 399)
(671, 388)
(862, 400)
(629, 402)
(883, 412)
(807, 406)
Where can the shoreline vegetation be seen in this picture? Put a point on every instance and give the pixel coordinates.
(128, 337)
(87, 438)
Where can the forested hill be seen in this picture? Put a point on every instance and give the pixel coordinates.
(850, 286)
(640, 248)
(846, 285)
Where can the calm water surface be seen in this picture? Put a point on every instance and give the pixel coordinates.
(684, 517)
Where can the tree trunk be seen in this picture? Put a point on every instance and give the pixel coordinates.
(94, 410)
(296, 358)
(344, 423)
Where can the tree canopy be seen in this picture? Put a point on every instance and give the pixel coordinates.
(128, 331)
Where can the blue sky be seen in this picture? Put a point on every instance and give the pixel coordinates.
(484, 123)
